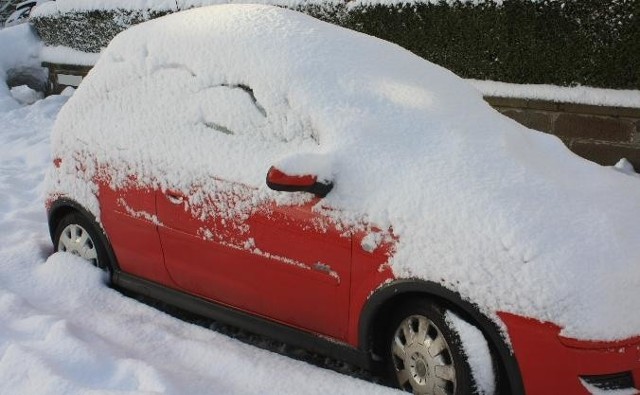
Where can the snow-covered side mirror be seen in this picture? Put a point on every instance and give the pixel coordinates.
(280, 181)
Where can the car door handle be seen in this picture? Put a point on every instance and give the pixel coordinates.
(175, 197)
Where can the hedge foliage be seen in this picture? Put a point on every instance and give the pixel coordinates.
(560, 42)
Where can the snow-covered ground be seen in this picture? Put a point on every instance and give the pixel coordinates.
(63, 331)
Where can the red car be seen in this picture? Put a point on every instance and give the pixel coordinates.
(403, 225)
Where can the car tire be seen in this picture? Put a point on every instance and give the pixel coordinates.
(77, 234)
(417, 330)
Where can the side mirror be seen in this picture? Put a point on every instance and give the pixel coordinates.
(280, 181)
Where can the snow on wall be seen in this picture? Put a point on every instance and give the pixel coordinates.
(504, 215)
(66, 55)
(579, 94)
(559, 94)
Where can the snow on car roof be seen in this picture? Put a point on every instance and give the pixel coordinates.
(506, 216)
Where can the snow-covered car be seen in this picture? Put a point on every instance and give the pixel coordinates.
(403, 225)
(22, 12)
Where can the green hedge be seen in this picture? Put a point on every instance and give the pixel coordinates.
(560, 42)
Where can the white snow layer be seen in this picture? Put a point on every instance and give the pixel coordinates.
(66, 55)
(64, 332)
(506, 216)
(560, 94)
(19, 47)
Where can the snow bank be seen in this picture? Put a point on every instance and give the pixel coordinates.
(25, 95)
(19, 47)
(561, 94)
(504, 215)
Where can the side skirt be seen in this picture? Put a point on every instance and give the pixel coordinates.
(251, 323)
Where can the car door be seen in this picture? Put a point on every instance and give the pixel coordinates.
(286, 263)
(232, 243)
(128, 214)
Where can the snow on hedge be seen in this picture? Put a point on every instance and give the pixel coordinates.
(63, 6)
(506, 216)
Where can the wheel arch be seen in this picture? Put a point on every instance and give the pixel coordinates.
(382, 302)
(61, 207)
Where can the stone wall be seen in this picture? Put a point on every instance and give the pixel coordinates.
(599, 133)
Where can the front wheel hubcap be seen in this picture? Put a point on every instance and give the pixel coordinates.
(422, 358)
(76, 240)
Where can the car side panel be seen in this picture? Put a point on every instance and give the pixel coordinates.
(128, 217)
(273, 261)
(370, 272)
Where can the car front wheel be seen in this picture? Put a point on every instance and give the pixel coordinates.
(79, 236)
(425, 352)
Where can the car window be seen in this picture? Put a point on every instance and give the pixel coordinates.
(231, 109)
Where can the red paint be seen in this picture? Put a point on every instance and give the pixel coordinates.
(286, 263)
(127, 217)
(278, 177)
(369, 271)
(549, 362)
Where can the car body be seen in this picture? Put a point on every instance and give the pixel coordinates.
(394, 197)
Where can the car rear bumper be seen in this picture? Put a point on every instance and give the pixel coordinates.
(550, 363)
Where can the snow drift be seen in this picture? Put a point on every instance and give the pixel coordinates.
(504, 215)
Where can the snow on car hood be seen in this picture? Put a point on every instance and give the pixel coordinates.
(504, 215)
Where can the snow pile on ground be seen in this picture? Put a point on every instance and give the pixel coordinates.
(504, 215)
(561, 94)
(19, 47)
(25, 95)
(63, 331)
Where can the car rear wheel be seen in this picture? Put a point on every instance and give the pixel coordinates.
(78, 235)
(425, 352)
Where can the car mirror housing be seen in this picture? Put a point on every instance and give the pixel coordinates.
(280, 181)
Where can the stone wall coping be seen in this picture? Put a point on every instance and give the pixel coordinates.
(544, 105)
